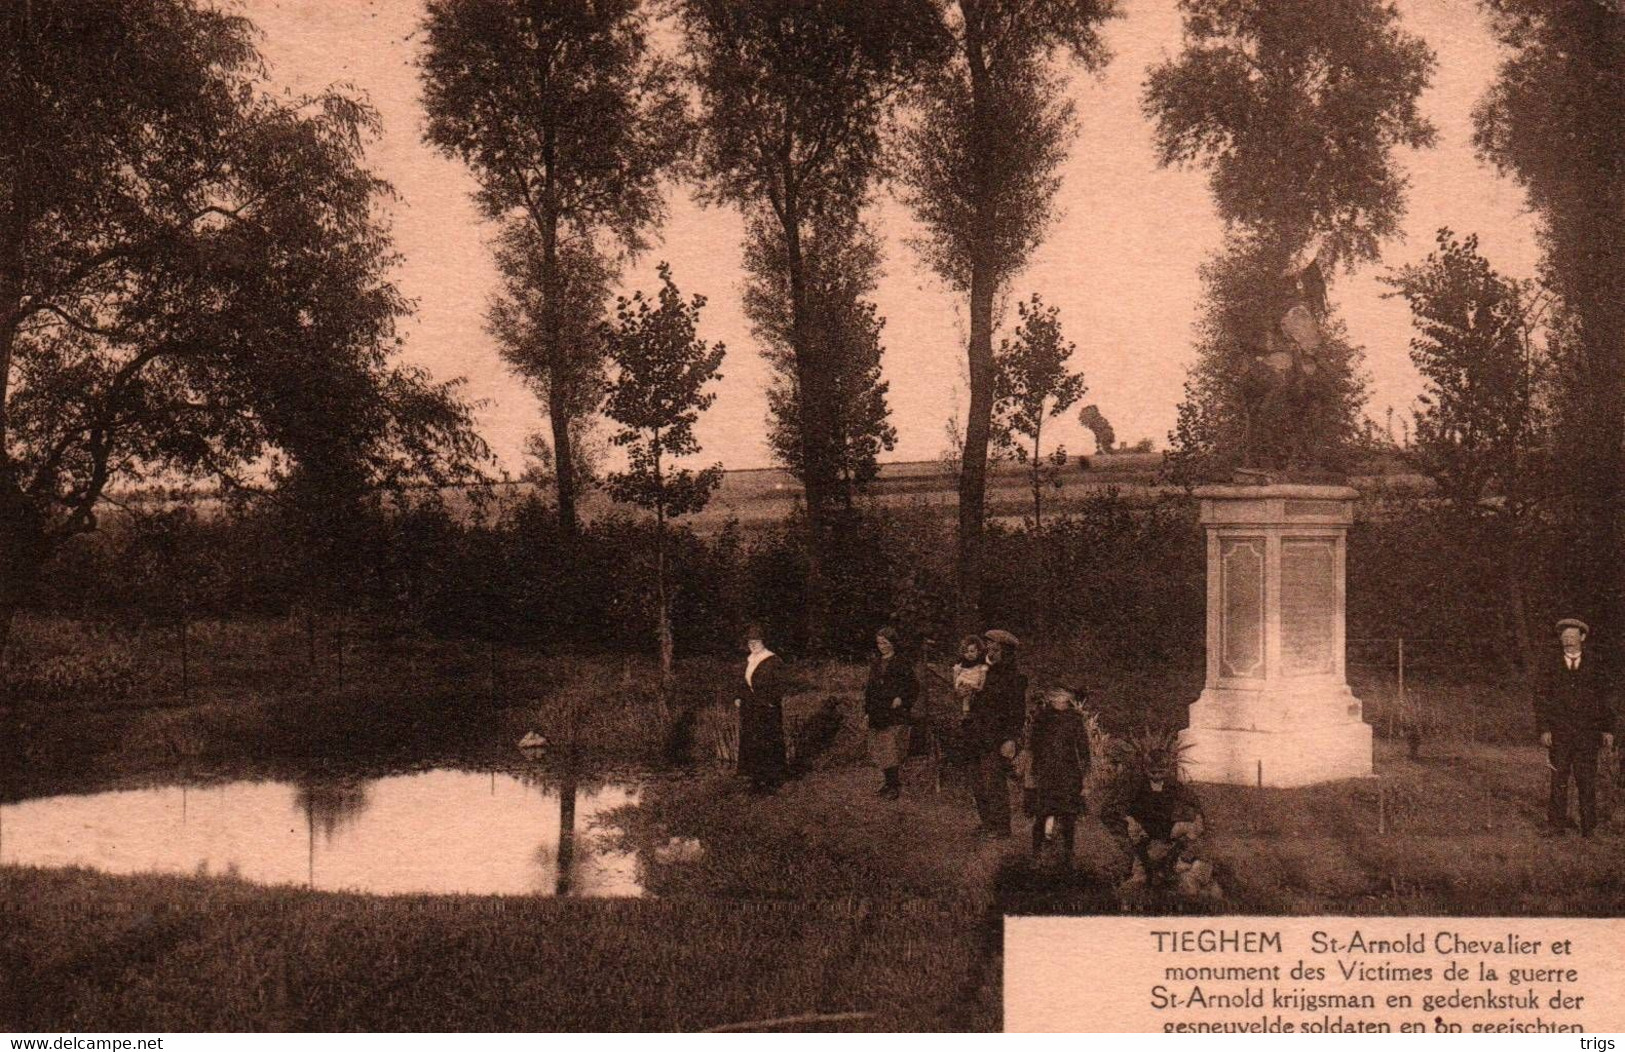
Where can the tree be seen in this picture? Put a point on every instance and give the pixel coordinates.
(568, 122)
(842, 264)
(980, 171)
(193, 278)
(1481, 429)
(657, 395)
(568, 374)
(1092, 418)
(1034, 385)
(1551, 121)
(793, 95)
(1295, 110)
(1481, 420)
(587, 448)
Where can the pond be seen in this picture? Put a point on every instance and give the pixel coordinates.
(433, 832)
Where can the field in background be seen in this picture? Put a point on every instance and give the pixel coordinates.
(760, 497)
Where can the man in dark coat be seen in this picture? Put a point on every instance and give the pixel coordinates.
(997, 714)
(1575, 716)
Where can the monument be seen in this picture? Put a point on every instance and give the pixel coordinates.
(1276, 709)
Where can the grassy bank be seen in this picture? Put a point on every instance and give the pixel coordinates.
(820, 901)
(86, 953)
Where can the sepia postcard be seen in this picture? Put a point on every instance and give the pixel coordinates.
(811, 515)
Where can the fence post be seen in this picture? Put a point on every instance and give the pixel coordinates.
(310, 645)
(491, 655)
(186, 663)
(1402, 673)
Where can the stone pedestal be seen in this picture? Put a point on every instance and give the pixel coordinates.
(1277, 709)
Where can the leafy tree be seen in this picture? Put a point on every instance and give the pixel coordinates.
(193, 277)
(661, 370)
(585, 445)
(1551, 120)
(793, 95)
(980, 171)
(569, 122)
(842, 264)
(1481, 422)
(573, 377)
(1480, 433)
(1091, 417)
(1230, 412)
(1295, 110)
(1035, 385)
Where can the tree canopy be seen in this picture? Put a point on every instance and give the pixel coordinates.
(1295, 111)
(1480, 427)
(843, 265)
(980, 168)
(194, 275)
(1035, 384)
(569, 121)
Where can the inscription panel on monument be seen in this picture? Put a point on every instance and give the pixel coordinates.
(1241, 623)
(1308, 605)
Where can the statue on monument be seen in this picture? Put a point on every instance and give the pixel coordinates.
(1287, 384)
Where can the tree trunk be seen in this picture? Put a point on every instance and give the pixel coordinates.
(668, 677)
(818, 475)
(186, 659)
(553, 351)
(1037, 479)
(559, 378)
(563, 879)
(973, 459)
(979, 351)
(24, 552)
(1514, 567)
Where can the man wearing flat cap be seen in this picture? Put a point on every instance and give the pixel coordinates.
(1575, 715)
(992, 727)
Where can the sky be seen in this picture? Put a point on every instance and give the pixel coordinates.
(1120, 261)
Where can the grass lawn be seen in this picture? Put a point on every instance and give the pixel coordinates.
(820, 901)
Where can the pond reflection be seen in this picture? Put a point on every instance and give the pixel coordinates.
(440, 832)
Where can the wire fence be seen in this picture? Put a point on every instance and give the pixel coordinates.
(1459, 688)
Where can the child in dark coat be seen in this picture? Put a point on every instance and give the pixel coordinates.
(1057, 762)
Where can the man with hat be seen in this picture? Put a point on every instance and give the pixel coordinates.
(1576, 720)
(997, 713)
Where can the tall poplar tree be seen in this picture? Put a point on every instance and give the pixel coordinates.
(980, 167)
(1295, 111)
(568, 120)
(843, 266)
(793, 96)
(1552, 121)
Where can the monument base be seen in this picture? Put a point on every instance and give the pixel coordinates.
(1277, 710)
(1237, 750)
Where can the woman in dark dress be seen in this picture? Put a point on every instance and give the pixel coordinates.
(888, 701)
(761, 715)
(1058, 751)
